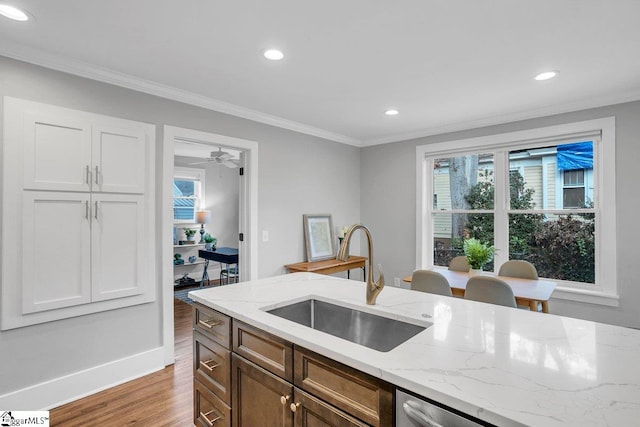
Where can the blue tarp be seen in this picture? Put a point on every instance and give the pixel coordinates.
(575, 156)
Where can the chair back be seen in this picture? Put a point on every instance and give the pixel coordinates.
(491, 290)
(431, 282)
(459, 263)
(519, 268)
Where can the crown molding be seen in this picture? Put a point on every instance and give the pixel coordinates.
(82, 69)
(584, 104)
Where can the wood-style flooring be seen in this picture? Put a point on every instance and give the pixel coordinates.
(164, 398)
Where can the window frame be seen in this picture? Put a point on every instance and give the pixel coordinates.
(601, 131)
(198, 176)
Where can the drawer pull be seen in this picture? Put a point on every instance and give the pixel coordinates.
(209, 324)
(294, 407)
(284, 399)
(206, 365)
(206, 419)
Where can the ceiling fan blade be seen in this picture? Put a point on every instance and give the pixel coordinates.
(232, 163)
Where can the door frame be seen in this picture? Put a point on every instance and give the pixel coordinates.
(248, 211)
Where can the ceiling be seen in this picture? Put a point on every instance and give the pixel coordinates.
(444, 64)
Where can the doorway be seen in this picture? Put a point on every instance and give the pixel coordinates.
(247, 162)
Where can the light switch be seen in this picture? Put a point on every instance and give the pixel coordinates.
(265, 235)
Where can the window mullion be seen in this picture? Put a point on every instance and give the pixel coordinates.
(501, 203)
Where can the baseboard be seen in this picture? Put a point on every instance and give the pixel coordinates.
(53, 393)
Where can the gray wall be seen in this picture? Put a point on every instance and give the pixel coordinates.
(388, 204)
(297, 174)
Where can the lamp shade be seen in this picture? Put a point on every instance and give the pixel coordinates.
(203, 217)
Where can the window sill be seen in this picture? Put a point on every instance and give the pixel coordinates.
(586, 296)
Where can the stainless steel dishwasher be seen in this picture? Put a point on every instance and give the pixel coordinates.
(412, 411)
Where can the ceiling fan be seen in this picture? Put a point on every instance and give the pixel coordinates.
(221, 158)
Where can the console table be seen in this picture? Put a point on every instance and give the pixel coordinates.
(330, 266)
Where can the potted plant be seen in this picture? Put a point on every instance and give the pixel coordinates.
(478, 254)
(190, 233)
(210, 242)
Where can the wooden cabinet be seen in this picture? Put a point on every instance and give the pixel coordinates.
(276, 383)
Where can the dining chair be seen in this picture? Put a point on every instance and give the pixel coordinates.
(519, 268)
(490, 289)
(459, 263)
(431, 282)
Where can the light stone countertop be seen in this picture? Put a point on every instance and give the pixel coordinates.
(507, 366)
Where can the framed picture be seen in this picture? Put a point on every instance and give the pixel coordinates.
(318, 237)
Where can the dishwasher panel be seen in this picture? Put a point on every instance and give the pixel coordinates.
(415, 412)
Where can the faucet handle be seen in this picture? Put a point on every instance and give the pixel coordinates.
(380, 281)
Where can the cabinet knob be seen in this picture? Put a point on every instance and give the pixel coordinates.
(284, 399)
(294, 407)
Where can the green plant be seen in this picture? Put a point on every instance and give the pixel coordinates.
(189, 232)
(477, 253)
(208, 238)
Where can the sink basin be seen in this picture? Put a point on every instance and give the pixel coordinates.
(370, 330)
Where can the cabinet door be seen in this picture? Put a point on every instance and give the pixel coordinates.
(55, 250)
(117, 233)
(312, 412)
(260, 399)
(57, 152)
(120, 157)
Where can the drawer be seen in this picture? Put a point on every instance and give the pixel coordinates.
(365, 397)
(212, 366)
(213, 324)
(265, 350)
(208, 410)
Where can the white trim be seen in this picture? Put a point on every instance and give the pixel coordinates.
(61, 390)
(82, 69)
(605, 292)
(249, 248)
(93, 72)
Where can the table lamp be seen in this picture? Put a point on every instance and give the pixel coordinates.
(202, 218)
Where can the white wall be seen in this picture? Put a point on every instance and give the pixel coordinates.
(297, 174)
(388, 204)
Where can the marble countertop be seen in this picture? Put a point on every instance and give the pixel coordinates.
(507, 366)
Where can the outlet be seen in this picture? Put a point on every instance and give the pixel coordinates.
(396, 282)
(265, 235)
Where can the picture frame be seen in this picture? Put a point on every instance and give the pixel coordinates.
(318, 237)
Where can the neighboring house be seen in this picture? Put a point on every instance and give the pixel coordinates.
(561, 177)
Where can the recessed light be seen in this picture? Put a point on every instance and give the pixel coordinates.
(273, 54)
(392, 112)
(546, 75)
(13, 13)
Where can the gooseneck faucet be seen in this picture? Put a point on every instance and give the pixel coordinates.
(373, 288)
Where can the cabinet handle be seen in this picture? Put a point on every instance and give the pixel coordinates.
(97, 175)
(294, 407)
(86, 209)
(206, 419)
(95, 214)
(284, 399)
(209, 324)
(206, 365)
(88, 175)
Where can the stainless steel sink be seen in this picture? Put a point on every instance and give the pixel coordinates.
(376, 332)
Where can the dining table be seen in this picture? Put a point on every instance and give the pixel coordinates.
(528, 292)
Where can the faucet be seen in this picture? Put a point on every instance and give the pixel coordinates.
(373, 288)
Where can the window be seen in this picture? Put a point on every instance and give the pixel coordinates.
(188, 194)
(538, 195)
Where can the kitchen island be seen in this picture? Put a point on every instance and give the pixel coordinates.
(506, 366)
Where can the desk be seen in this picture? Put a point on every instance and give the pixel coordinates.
(527, 292)
(329, 266)
(223, 255)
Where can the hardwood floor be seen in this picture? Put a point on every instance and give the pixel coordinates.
(164, 398)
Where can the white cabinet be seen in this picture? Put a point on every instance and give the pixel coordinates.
(56, 254)
(78, 223)
(63, 153)
(118, 260)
